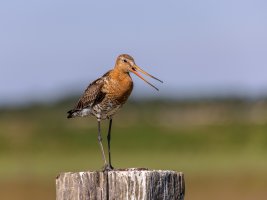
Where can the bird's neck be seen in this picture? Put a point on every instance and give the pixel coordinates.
(119, 74)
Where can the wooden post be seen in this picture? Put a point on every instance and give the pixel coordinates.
(126, 184)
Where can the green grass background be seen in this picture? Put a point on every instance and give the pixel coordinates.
(220, 145)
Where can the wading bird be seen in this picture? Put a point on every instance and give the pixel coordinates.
(106, 95)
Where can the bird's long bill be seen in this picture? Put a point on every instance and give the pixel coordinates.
(136, 68)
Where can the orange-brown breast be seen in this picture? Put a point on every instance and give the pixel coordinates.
(119, 86)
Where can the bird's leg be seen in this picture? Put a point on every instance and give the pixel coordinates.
(109, 138)
(101, 145)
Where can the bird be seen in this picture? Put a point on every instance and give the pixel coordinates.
(106, 95)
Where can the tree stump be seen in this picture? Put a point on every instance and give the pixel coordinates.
(126, 184)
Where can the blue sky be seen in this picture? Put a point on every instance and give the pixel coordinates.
(55, 47)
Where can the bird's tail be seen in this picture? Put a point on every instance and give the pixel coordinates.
(71, 113)
(79, 112)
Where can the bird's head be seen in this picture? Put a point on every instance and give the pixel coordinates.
(126, 64)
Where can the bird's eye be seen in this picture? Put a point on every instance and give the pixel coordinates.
(125, 60)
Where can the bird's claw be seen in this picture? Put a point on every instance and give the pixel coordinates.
(107, 167)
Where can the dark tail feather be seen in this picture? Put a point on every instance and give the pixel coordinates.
(70, 113)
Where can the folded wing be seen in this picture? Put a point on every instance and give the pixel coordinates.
(92, 96)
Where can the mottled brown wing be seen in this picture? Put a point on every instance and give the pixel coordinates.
(92, 95)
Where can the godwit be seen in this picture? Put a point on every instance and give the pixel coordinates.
(106, 95)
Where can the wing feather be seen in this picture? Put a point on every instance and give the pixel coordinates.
(92, 95)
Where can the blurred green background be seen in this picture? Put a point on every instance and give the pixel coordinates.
(220, 145)
(209, 119)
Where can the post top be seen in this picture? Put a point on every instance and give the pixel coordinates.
(129, 170)
(120, 184)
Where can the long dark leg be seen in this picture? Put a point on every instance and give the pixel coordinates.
(100, 144)
(109, 138)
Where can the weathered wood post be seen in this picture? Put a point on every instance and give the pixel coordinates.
(126, 184)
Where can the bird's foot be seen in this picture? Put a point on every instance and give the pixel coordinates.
(107, 167)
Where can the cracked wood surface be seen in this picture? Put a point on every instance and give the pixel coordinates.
(125, 184)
